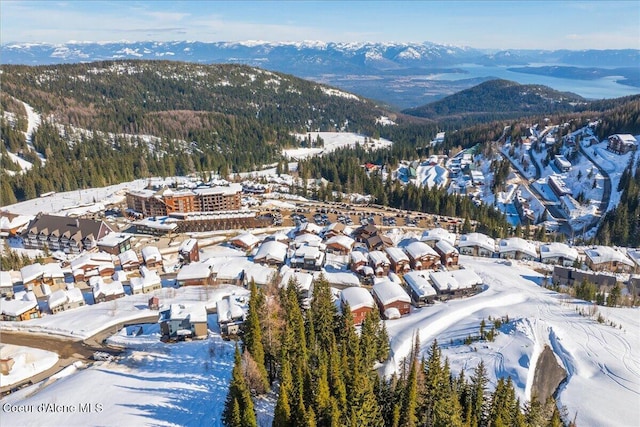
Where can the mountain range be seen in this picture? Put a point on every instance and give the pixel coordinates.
(401, 74)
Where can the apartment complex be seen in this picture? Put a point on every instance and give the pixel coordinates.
(164, 202)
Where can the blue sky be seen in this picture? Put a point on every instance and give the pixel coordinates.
(480, 24)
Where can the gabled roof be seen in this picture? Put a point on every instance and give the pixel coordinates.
(454, 280)
(602, 254)
(340, 240)
(437, 234)
(188, 245)
(477, 239)
(397, 254)
(194, 271)
(23, 301)
(128, 257)
(358, 257)
(378, 258)
(419, 249)
(445, 247)
(76, 227)
(246, 239)
(357, 298)
(419, 283)
(151, 253)
(517, 244)
(229, 309)
(557, 249)
(33, 271)
(271, 251)
(389, 292)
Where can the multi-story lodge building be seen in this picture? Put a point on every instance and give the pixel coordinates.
(62, 233)
(166, 201)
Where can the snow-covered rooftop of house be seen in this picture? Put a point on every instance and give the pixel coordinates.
(308, 252)
(62, 296)
(396, 254)
(378, 258)
(93, 258)
(106, 289)
(246, 239)
(477, 239)
(303, 280)
(358, 257)
(557, 249)
(605, 254)
(260, 274)
(196, 313)
(113, 239)
(446, 247)
(194, 270)
(271, 250)
(187, 245)
(357, 298)
(418, 282)
(517, 244)
(419, 249)
(389, 292)
(229, 309)
(455, 279)
(128, 257)
(634, 254)
(339, 278)
(17, 222)
(308, 227)
(33, 271)
(120, 276)
(151, 253)
(340, 240)
(625, 138)
(23, 301)
(309, 239)
(5, 279)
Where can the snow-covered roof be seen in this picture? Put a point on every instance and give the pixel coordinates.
(151, 253)
(113, 288)
(605, 254)
(625, 138)
(341, 278)
(112, 240)
(5, 279)
(436, 234)
(271, 251)
(260, 274)
(455, 279)
(33, 271)
(396, 254)
(557, 249)
(57, 298)
(94, 258)
(128, 257)
(358, 257)
(634, 254)
(477, 239)
(187, 245)
(419, 249)
(308, 238)
(229, 309)
(195, 313)
(120, 276)
(445, 247)
(304, 280)
(357, 298)
(378, 258)
(389, 292)
(246, 239)
(194, 270)
(308, 227)
(517, 244)
(230, 189)
(419, 283)
(341, 240)
(163, 223)
(23, 301)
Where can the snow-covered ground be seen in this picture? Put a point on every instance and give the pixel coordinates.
(332, 142)
(28, 362)
(602, 362)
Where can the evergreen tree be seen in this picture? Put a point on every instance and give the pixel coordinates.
(253, 336)
(238, 405)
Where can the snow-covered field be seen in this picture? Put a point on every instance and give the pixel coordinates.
(28, 362)
(332, 142)
(186, 383)
(602, 362)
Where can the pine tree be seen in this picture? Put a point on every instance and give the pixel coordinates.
(238, 404)
(253, 336)
(409, 417)
(478, 389)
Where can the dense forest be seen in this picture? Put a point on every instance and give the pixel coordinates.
(323, 371)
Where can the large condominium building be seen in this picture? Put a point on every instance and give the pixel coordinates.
(167, 201)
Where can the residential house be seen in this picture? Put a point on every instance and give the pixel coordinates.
(62, 300)
(517, 248)
(92, 264)
(115, 243)
(308, 257)
(448, 253)
(621, 143)
(302, 280)
(456, 283)
(359, 301)
(333, 229)
(151, 257)
(34, 275)
(195, 274)
(6, 285)
(357, 260)
(392, 300)
(189, 251)
(129, 260)
(230, 315)
(605, 258)
(182, 321)
(245, 241)
(567, 276)
(150, 281)
(378, 242)
(103, 291)
(261, 275)
(558, 186)
(362, 233)
(433, 236)
(422, 256)
(61, 233)
(477, 244)
(340, 244)
(23, 306)
(562, 163)
(307, 227)
(420, 289)
(398, 259)
(12, 224)
(379, 262)
(558, 253)
(271, 252)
